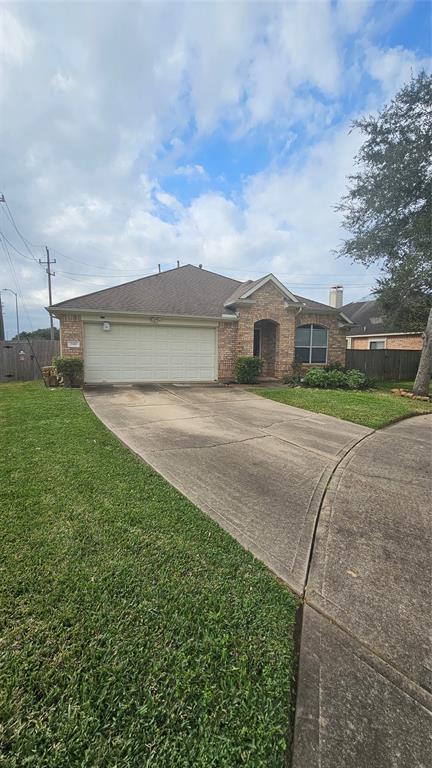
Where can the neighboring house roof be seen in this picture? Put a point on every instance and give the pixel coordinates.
(186, 291)
(367, 319)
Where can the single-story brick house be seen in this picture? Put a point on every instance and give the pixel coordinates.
(189, 324)
(371, 331)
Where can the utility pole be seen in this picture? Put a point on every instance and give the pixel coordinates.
(9, 290)
(50, 274)
(2, 333)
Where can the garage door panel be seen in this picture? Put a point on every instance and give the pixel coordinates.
(134, 353)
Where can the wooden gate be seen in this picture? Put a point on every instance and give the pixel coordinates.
(21, 360)
(382, 364)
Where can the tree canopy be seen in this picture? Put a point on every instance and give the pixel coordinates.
(40, 333)
(387, 208)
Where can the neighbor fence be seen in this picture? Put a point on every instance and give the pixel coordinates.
(21, 360)
(382, 364)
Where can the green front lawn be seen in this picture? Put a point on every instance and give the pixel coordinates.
(407, 385)
(135, 631)
(374, 408)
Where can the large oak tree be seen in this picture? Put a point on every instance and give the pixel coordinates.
(387, 211)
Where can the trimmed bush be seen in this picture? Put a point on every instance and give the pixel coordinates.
(247, 369)
(335, 378)
(71, 369)
(356, 379)
(315, 377)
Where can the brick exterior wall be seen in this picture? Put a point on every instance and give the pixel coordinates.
(71, 329)
(413, 341)
(227, 349)
(236, 339)
(359, 344)
(405, 342)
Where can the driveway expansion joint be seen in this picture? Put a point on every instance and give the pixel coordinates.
(212, 445)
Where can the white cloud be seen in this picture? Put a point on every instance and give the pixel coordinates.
(73, 219)
(392, 68)
(15, 39)
(190, 170)
(303, 49)
(167, 200)
(93, 126)
(16, 43)
(350, 15)
(63, 83)
(284, 221)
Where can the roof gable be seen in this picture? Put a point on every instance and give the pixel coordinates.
(247, 289)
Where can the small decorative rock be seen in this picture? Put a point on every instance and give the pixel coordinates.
(405, 393)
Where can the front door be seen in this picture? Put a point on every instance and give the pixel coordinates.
(257, 342)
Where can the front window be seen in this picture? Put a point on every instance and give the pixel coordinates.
(377, 344)
(311, 344)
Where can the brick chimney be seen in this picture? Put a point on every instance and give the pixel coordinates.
(336, 296)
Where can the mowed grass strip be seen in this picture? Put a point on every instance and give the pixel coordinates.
(135, 632)
(374, 408)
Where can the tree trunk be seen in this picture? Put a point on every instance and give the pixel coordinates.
(421, 384)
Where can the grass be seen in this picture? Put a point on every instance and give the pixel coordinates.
(135, 632)
(408, 385)
(374, 408)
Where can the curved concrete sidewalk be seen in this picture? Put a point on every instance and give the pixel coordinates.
(365, 678)
(256, 466)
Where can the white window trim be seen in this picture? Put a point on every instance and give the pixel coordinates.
(381, 339)
(314, 346)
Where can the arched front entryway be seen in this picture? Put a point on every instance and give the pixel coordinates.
(266, 339)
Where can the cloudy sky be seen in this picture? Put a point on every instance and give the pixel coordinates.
(140, 133)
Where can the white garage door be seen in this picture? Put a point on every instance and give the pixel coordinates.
(139, 353)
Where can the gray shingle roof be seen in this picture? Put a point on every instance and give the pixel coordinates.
(188, 291)
(241, 288)
(367, 318)
(313, 304)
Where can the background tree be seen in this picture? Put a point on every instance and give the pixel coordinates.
(40, 333)
(387, 210)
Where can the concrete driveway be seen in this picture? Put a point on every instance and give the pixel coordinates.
(258, 467)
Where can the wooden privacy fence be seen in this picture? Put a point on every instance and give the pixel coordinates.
(19, 359)
(381, 364)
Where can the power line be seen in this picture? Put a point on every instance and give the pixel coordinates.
(20, 235)
(78, 275)
(20, 253)
(37, 261)
(15, 278)
(79, 261)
